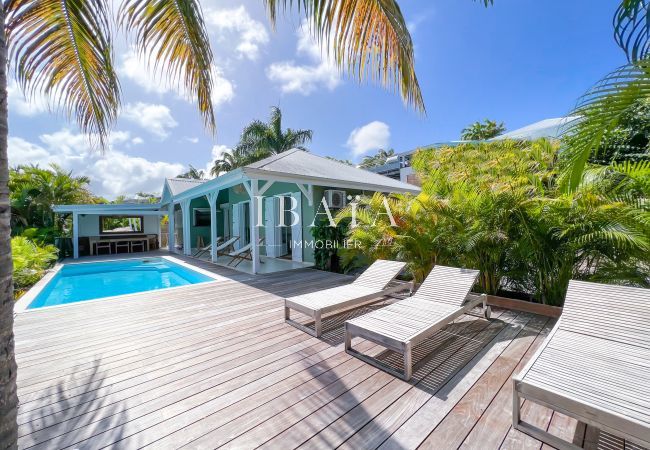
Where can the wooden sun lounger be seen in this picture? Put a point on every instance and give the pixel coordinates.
(225, 248)
(594, 366)
(402, 325)
(206, 249)
(243, 254)
(371, 284)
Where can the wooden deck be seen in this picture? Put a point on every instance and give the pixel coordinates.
(214, 365)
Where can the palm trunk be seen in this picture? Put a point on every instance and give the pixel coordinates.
(8, 396)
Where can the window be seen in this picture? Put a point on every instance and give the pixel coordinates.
(120, 224)
(201, 217)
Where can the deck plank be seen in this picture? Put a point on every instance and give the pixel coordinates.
(214, 365)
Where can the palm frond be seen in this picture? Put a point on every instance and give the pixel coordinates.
(63, 49)
(632, 28)
(174, 32)
(369, 40)
(601, 109)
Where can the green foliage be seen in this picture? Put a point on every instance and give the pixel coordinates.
(33, 192)
(342, 161)
(30, 262)
(606, 107)
(327, 257)
(260, 140)
(377, 159)
(192, 173)
(498, 207)
(480, 131)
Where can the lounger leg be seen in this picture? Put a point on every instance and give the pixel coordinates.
(487, 310)
(287, 313)
(531, 430)
(318, 324)
(516, 413)
(348, 338)
(408, 362)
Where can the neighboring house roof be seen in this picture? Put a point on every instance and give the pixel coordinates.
(327, 172)
(547, 128)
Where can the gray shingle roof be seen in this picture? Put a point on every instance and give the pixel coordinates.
(305, 164)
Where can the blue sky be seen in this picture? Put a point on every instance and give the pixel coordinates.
(519, 61)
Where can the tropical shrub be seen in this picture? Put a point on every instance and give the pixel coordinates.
(326, 257)
(30, 262)
(497, 207)
(33, 192)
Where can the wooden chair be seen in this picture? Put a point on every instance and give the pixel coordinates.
(99, 245)
(124, 245)
(594, 366)
(371, 284)
(442, 297)
(137, 245)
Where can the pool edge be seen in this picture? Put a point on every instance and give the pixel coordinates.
(21, 305)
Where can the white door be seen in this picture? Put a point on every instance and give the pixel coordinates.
(236, 224)
(240, 223)
(296, 229)
(271, 210)
(226, 221)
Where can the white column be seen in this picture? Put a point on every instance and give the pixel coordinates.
(187, 236)
(212, 199)
(255, 231)
(75, 235)
(171, 228)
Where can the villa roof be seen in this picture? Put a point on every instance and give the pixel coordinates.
(179, 185)
(318, 169)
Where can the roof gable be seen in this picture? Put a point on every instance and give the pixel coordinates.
(303, 164)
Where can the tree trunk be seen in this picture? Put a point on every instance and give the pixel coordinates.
(8, 396)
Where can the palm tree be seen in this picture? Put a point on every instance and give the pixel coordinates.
(34, 191)
(481, 131)
(265, 139)
(192, 173)
(64, 49)
(604, 107)
(377, 159)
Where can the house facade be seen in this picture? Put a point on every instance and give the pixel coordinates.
(271, 204)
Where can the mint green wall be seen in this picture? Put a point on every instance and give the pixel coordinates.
(232, 197)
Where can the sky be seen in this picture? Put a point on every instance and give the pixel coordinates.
(518, 61)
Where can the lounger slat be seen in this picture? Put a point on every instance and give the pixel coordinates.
(372, 284)
(400, 326)
(595, 365)
(379, 274)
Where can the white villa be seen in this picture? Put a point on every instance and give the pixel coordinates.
(204, 211)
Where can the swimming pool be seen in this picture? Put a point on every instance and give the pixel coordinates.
(74, 283)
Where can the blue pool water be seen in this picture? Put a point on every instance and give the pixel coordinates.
(89, 281)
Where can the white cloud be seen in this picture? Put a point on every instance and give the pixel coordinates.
(113, 173)
(216, 153)
(19, 104)
(223, 91)
(306, 78)
(252, 34)
(372, 136)
(154, 118)
(191, 140)
(135, 68)
(137, 141)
